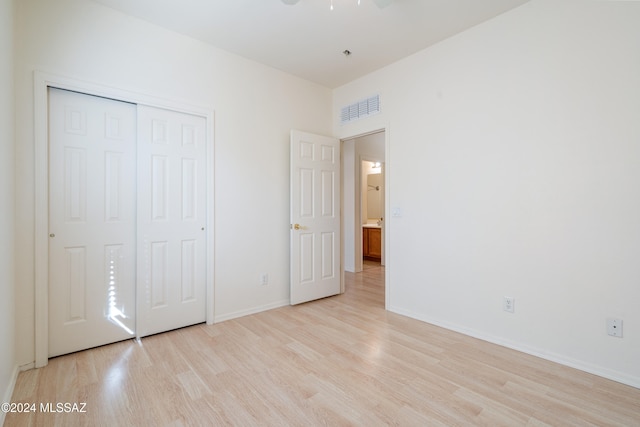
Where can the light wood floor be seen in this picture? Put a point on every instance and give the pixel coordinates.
(338, 361)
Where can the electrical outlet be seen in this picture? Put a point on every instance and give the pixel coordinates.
(614, 327)
(264, 279)
(508, 304)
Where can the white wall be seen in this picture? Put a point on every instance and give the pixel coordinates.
(515, 159)
(255, 108)
(7, 196)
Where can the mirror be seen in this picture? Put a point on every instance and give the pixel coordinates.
(374, 196)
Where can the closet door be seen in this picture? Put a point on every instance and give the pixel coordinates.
(92, 220)
(171, 220)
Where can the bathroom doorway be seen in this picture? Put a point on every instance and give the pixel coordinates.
(372, 194)
(364, 226)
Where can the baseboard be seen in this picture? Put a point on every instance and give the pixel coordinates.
(26, 367)
(609, 374)
(9, 391)
(250, 311)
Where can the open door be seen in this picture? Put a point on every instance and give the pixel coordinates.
(315, 217)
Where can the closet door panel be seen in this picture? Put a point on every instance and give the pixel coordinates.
(92, 219)
(171, 220)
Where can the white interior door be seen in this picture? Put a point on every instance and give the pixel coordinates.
(315, 217)
(171, 220)
(92, 151)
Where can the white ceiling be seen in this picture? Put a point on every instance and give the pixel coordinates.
(307, 39)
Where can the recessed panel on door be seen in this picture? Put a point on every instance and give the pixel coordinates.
(159, 274)
(328, 193)
(328, 255)
(113, 183)
(189, 270)
(159, 187)
(75, 184)
(306, 193)
(307, 255)
(75, 284)
(189, 189)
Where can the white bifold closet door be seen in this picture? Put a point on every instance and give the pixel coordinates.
(171, 220)
(126, 221)
(92, 221)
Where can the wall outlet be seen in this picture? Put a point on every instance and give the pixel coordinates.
(264, 279)
(508, 304)
(614, 327)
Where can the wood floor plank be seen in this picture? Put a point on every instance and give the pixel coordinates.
(337, 361)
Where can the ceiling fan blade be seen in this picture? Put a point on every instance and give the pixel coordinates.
(382, 3)
(290, 1)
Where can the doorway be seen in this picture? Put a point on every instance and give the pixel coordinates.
(369, 147)
(372, 195)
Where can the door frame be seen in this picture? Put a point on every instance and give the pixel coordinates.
(387, 201)
(41, 83)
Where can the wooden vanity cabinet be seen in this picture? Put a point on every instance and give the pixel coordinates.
(372, 243)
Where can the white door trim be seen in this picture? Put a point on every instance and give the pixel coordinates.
(41, 82)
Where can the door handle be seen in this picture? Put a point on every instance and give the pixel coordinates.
(297, 227)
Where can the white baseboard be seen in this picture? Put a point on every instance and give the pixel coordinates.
(9, 391)
(600, 371)
(26, 367)
(250, 311)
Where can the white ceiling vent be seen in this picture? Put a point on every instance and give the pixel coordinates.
(359, 110)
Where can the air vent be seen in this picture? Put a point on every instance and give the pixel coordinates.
(359, 110)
